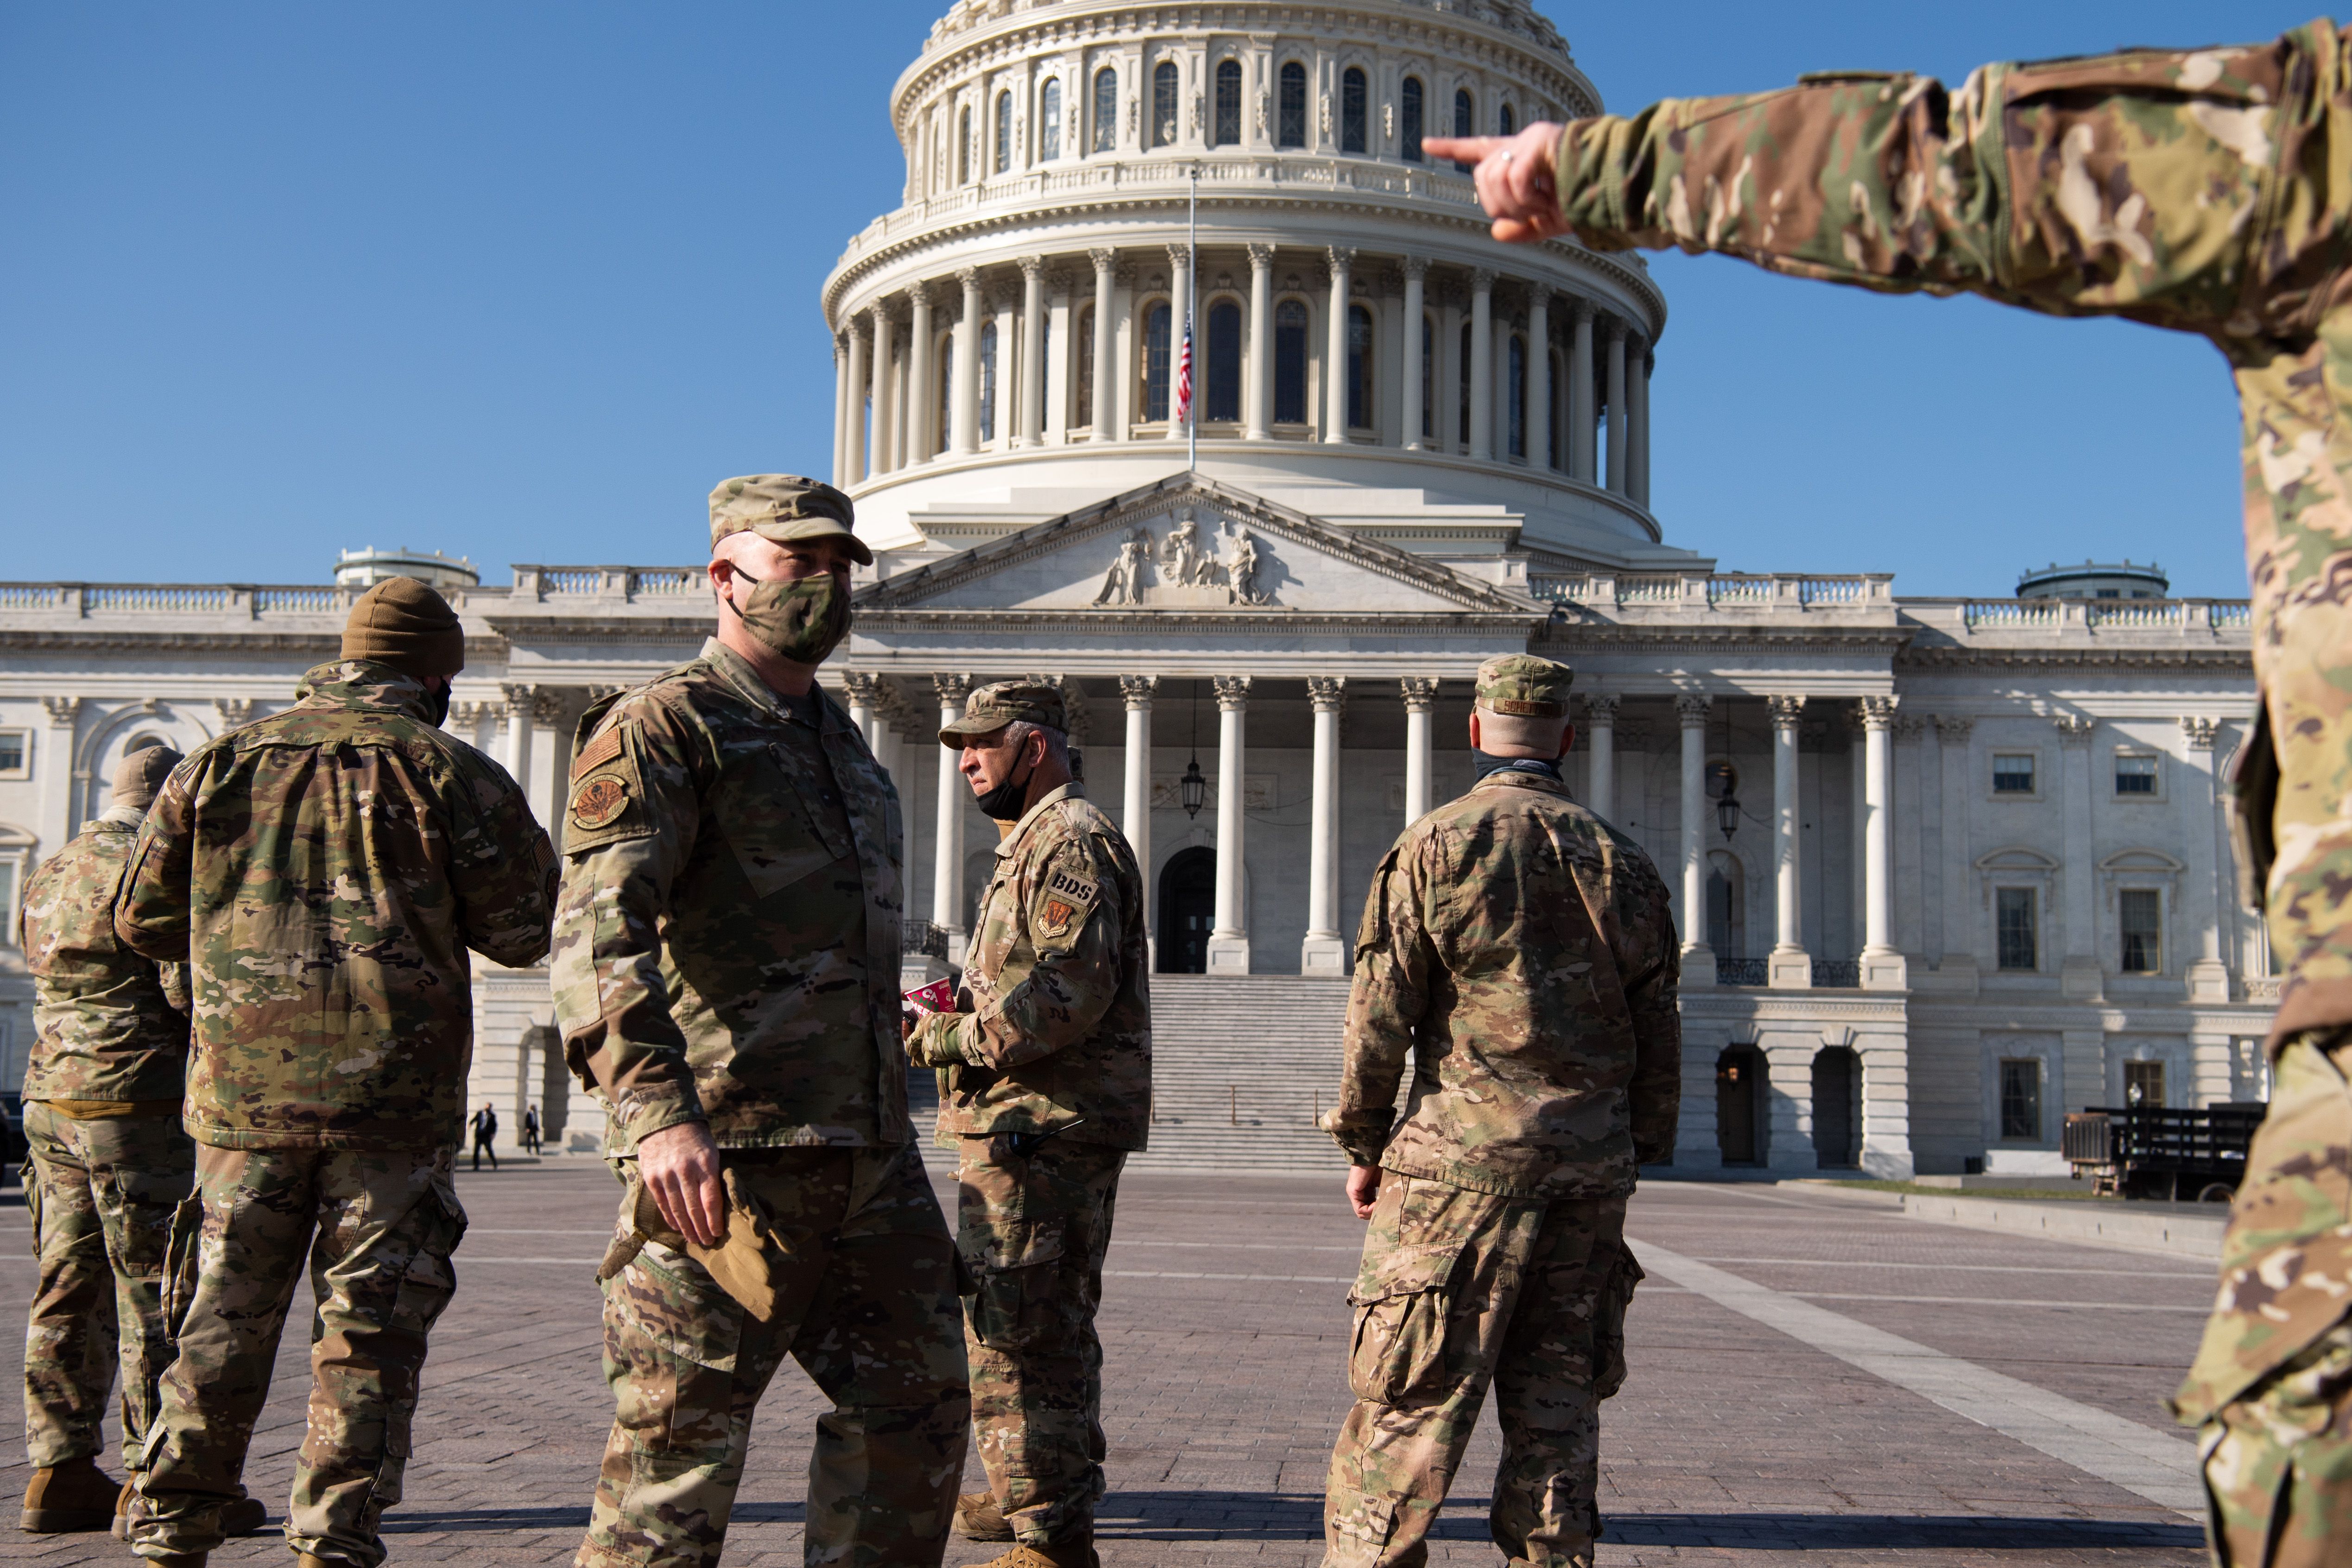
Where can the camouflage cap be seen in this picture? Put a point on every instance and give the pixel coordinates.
(139, 775)
(1521, 685)
(993, 707)
(785, 507)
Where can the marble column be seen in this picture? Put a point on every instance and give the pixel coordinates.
(890, 409)
(840, 413)
(1618, 414)
(520, 701)
(1260, 412)
(1580, 415)
(1482, 363)
(862, 695)
(1537, 395)
(1690, 917)
(1600, 741)
(853, 449)
(1325, 950)
(61, 812)
(923, 441)
(1229, 948)
(1335, 349)
(2080, 975)
(1791, 967)
(2201, 890)
(1006, 412)
(1637, 461)
(1031, 431)
(1106, 366)
(1411, 352)
(877, 393)
(1882, 967)
(1136, 691)
(947, 862)
(1419, 704)
(964, 414)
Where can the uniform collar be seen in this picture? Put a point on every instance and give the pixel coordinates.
(1073, 790)
(1520, 778)
(364, 683)
(737, 671)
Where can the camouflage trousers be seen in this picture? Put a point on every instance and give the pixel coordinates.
(101, 1192)
(1032, 1233)
(1457, 1289)
(378, 1230)
(2278, 1464)
(865, 1304)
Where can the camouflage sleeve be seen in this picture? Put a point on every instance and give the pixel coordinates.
(2139, 184)
(502, 868)
(1649, 959)
(153, 913)
(1074, 910)
(632, 814)
(1394, 959)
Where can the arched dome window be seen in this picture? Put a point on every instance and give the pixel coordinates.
(1049, 121)
(1105, 110)
(1410, 95)
(1004, 133)
(1558, 402)
(1466, 119)
(1164, 104)
(1361, 366)
(1156, 322)
(1083, 416)
(1507, 122)
(1515, 396)
(963, 145)
(1355, 114)
(1223, 380)
(1226, 130)
(1290, 122)
(1290, 362)
(988, 381)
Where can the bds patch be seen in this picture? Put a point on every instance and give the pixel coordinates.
(1064, 901)
(599, 800)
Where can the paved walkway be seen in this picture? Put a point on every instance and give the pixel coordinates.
(1814, 1380)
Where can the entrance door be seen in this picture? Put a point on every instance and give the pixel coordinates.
(1735, 1072)
(1837, 1081)
(1188, 907)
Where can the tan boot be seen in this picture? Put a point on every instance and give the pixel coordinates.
(1060, 1555)
(978, 1518)
(247, 1516)
(76, 1495)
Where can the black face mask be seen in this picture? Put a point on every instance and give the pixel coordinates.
(439, 697)
(1487, 762)
(1008, 801)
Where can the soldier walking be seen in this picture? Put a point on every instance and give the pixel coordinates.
(109, 1162)
(322, 872)
(727, 981)
(2204, 191)
(1524, 951)
(1045, 1085)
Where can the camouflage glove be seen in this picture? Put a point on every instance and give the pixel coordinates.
(935, 1042)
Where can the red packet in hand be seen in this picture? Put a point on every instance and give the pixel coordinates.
(938, 996)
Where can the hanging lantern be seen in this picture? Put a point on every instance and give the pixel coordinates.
(1727, 813)
(1194, 788)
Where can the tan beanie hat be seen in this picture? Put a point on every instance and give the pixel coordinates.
(403, 623)
(137, 776)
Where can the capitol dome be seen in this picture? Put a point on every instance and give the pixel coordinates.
(1006, 339)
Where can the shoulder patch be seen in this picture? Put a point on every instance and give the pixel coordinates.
(1063, 901)
(607, 802)
(598, 752)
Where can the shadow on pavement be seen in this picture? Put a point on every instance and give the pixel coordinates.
(1833, 1532)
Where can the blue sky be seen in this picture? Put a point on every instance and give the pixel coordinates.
(522, 281)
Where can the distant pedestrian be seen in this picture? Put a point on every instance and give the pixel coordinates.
(486, 1133)
(531, 1129)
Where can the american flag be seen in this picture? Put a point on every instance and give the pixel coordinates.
(1184, 375)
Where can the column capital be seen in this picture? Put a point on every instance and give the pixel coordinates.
(1600, 707)
(518, 697)
(1539, 294)
(1032, 269)
(952, 688)
(1877, 712)
(1136, 690)
(63, 710)
(2074, 728)
(1179, 256)
(1952, 729)
(1419, 692)
(1786, 709)
(459, 713)
(1343, 258)
(1233, 691)
(1616, 329)
(1414, 267)
(1908, 728)
(1482, 280)
(918, 294)
(546, 705)
(1580, 309)
(1104, 257)
(864, 689)
(1261, 257)
(970, 278)
(1693, 709)
(2200, 732)
(1327, 692)
(236, 711)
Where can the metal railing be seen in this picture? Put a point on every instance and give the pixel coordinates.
(1743, 971)
(1837, 974)
(922, 939)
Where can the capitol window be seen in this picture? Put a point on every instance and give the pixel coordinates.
(1164, 104)
(1515, 396)
(1462, 360)
(2020, 1100)
(1466, 123)
(1155, 364)
(1222, 383)
(1354, 114)
(1290, 127)
(1228, 125)
(1083, 416)
(1409, 95)
(988, 381)
(2016, 944)
(1361, 366)
(963, 144)
(2139, 921)
(1004, 133)
(1105, 110)
(1049, 121)
(16, 754)
(1429, 378)
(1290, 362)
(2012, 773)
(1507, 121)
(947, 390)
(2136, 776)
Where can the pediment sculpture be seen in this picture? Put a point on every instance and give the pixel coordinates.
(1183, 570)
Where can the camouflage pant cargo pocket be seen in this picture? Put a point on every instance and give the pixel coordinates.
(182, 1250)
(1402, 1302)
(1609, 1324)
(431, 1279)
(1012, 1265)
(671, 1340)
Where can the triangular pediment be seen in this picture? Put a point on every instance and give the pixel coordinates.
(1186, 545)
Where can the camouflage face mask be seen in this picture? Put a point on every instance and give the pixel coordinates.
(801, 618)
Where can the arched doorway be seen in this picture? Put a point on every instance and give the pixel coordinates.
(1188, 907)
(1738, 1105)
(1837, 1106)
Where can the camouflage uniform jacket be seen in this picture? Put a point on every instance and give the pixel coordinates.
(1058, 1032)
(726, 943)
(323, 871)
(1523, 951)
(109, 1024)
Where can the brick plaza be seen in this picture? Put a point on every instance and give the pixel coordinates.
(1225, 1331)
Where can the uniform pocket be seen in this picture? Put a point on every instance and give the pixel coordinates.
(430, 1280)
(1013, 1266)
(1402, 1298)
(1609, 1324)
(182, 1250)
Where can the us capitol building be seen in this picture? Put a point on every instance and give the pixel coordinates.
(1947, 869)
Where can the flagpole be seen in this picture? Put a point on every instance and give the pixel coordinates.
(1192, 284)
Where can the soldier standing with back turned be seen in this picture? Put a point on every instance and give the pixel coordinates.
(109, 1162)
(727, 981)
(2206, 191)
(323, 871)
(1045, 1084)
(1522, 951)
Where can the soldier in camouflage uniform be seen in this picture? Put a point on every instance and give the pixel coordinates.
(1045, 1085)
(108, 1162)
(322, 872)
(1522, 951)
(726, 978)
(2205, 191)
